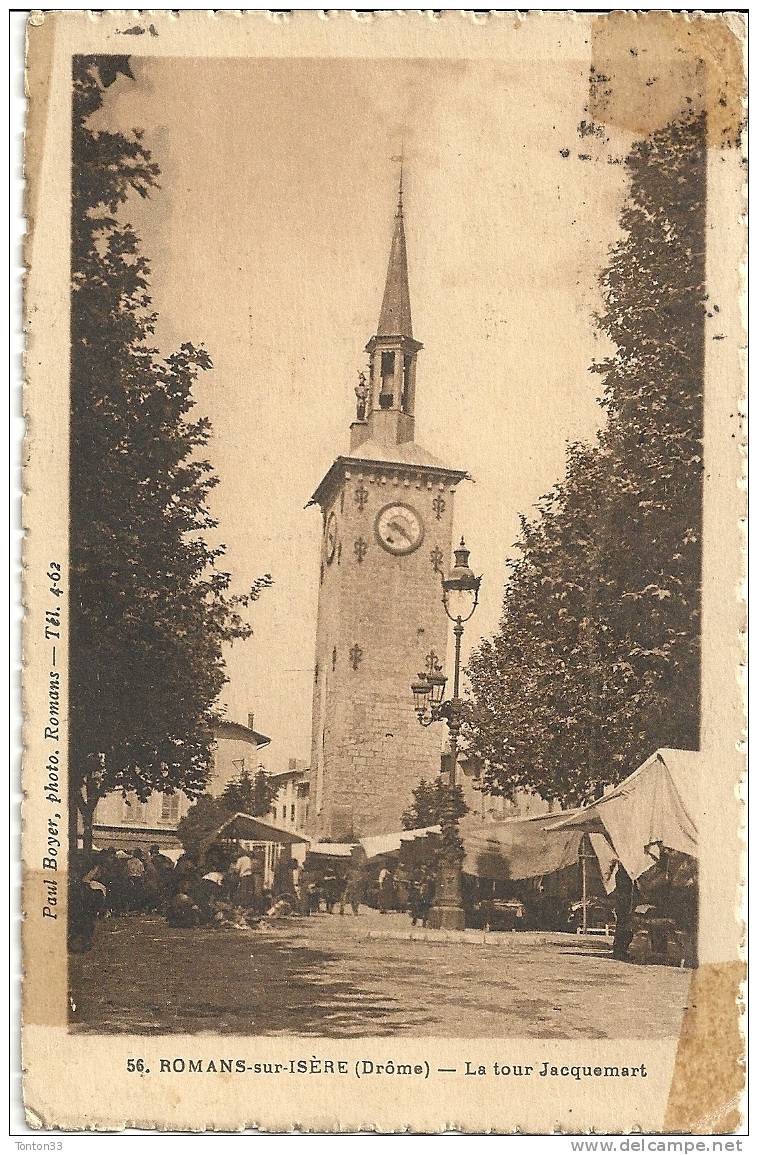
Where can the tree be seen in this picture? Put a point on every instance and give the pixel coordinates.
(150, 608)
(247, 794)
(596, 662)
(250, 793)
(202, 820)
(430, 800)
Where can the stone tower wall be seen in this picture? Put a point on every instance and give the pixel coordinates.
(380, 616)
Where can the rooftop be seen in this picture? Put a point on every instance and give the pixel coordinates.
(225, 728)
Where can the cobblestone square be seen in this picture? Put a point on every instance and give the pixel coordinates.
(348, 977)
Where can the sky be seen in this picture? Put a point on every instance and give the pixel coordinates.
(269, 240)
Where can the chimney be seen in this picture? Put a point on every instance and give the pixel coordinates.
(251, 721)
(293, 764)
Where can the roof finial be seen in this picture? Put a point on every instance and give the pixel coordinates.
(401, 158)
(395, 316)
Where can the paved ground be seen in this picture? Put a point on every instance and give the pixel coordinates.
(346, 977)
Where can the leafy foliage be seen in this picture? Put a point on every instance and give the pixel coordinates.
(150, 609)
(204, 818)
(432, 803)
(596, 662)
(247, 794)
(250, 793)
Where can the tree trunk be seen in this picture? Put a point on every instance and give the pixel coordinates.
(88, 817)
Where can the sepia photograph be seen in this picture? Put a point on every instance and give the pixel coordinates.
(377, 690)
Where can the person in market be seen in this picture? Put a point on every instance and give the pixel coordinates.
(623, 902)
(87, 898)
(331, 888)
(208, 895)
(352, 890)
(296, 872)
(259, 900)
(113, 876)
(425, 894)
(386, 890)
(403, 886)
(241, 875)
(311, 885)
(185, 869)
(304, 880)
(152, 897)
(413, 887)
(135, 878)
(182, 910)
(164, 868)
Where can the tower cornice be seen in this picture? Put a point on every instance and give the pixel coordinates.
(393, 341)
(391, 473)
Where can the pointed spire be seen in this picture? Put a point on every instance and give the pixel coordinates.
(395, 317)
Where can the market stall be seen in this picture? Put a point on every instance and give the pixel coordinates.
(255, 835)
(656, 806)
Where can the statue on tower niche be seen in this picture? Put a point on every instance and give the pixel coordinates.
(361, 394)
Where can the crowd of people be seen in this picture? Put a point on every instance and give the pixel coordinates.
(192, 891)
(329, 889)
(655, 916)
(226, 885)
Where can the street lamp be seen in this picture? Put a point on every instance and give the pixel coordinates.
(460, 597)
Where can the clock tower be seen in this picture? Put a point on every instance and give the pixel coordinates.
(387, 516)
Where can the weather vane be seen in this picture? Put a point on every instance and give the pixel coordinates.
(400, 158)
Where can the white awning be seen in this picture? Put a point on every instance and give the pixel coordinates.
(377, 844)
(658, 805)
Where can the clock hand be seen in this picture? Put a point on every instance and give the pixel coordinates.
(399, 528)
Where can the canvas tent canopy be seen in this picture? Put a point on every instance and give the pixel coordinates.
(379, 844)
(658, 805)
(331, 849)
(245, 828)
(516, 848)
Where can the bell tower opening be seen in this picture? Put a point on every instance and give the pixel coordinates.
(408, 398)
(387, 387)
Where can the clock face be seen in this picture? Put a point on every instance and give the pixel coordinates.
(399, 528)
(331, 536)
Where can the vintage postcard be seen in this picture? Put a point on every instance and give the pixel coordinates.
(383, 689)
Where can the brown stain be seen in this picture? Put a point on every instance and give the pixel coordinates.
(40, 43)
(652, 67)
(44, 952)
(709, 1069)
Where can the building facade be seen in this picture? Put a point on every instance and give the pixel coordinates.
(290, 809)
(387, 521)
(125, 822)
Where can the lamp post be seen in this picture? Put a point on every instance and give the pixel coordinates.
(460, 597)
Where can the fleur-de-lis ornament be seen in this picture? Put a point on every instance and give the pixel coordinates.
(360, 546)
(361, 496)
(356, 654)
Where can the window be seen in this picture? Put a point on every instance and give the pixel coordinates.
(169, 808)
(406, 401)
(273, 813)
(292, 812)
(133, 810)
(387, 388)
